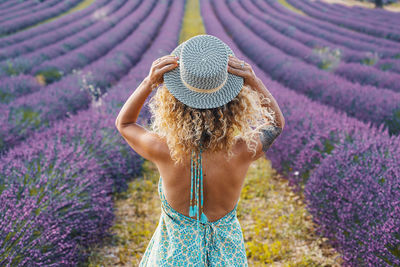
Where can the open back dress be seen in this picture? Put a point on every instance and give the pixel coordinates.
(180, 240)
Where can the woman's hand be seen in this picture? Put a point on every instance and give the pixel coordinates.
(247, 73)
(161, 66)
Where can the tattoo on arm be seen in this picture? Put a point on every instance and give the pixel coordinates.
(268, 136)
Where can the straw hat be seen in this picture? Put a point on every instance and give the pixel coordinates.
(201, 80)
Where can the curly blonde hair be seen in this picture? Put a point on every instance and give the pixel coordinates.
(184, 128)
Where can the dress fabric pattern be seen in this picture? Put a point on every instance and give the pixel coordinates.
(176, 241)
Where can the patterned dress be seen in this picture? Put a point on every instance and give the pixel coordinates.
(180, 240)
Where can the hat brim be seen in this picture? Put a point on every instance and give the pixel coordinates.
(174, 84)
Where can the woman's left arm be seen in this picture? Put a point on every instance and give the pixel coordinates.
(147, 144)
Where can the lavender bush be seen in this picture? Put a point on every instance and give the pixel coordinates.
(16, 86)
(46, 216)
(19, 210)
(389, 64)
(354, 197)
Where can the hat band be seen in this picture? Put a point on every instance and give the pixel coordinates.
(208, 91)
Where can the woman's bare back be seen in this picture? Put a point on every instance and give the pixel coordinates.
(222, 179)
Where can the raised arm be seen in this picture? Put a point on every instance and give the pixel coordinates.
(269, 132)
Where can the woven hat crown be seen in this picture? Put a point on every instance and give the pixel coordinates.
(204, 62)
(202, 80)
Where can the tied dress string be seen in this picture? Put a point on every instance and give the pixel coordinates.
(196, 180)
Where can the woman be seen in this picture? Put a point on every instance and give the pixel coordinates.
(208, 96)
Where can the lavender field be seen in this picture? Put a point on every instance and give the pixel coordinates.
(334, 71)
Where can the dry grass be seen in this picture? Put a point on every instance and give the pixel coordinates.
(192, 23)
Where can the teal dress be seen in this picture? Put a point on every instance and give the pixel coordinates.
(180, 240)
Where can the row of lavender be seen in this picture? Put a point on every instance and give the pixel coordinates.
(302, 45)
(50, 52)
(366, 103)
(11, 8)
(378, 14)
(47, 46)
(306, 31)
(54, 54)
(334, 158)
(375, 30)
(28, 17)
(54, 25)
(372, 19)
(7, 3)
(13, 46)
(56, 197)
(333, 28)
(14, 11)
(376, 51)
(121, 49)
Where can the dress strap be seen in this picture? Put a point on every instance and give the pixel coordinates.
(196, 180)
